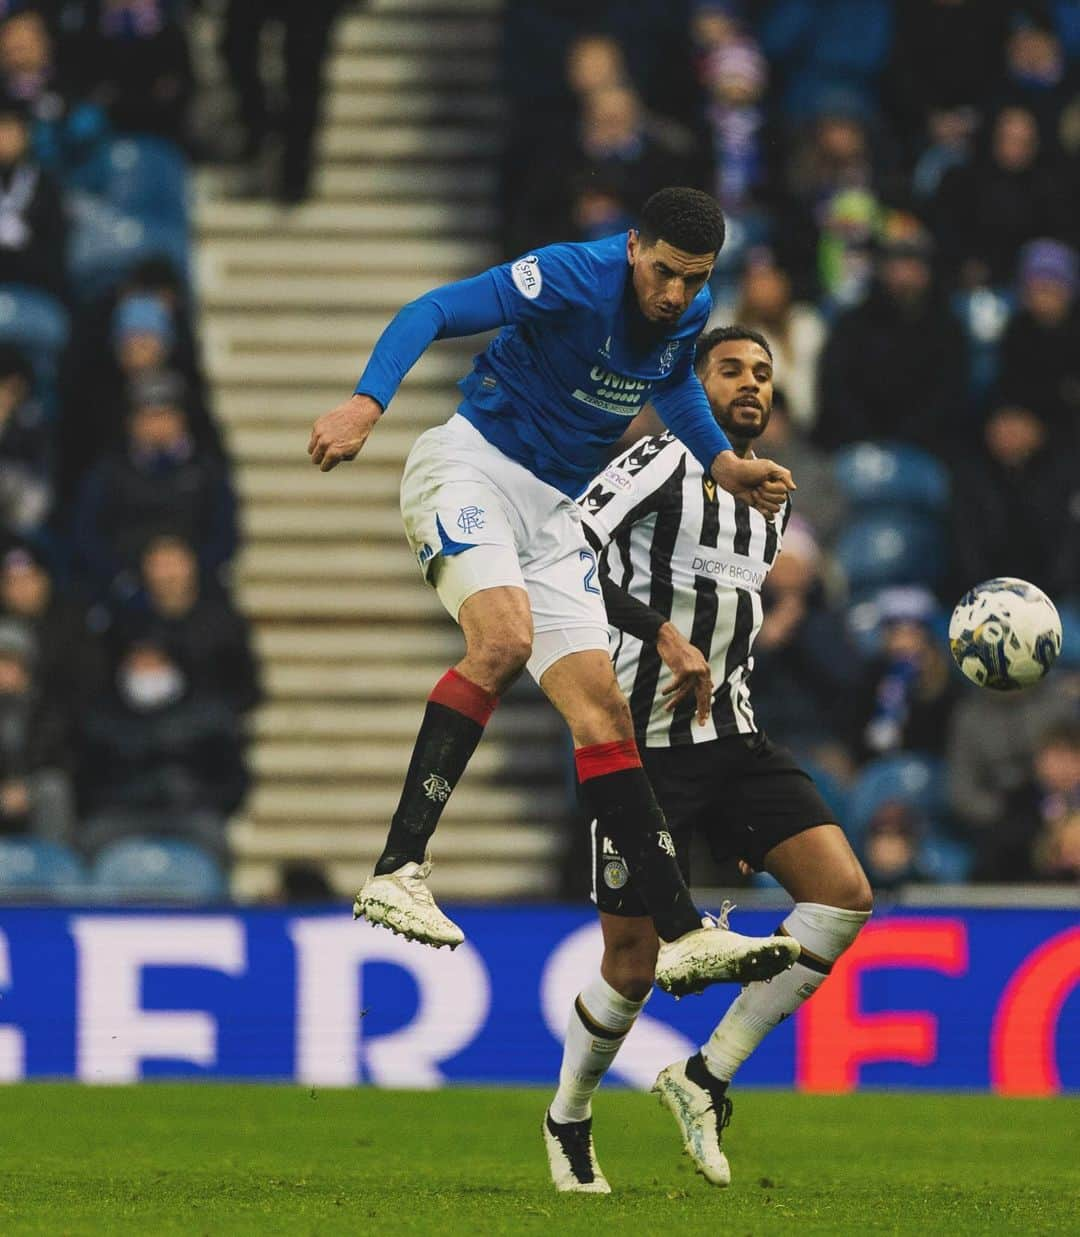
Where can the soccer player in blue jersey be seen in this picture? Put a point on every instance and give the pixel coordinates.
(591, 333)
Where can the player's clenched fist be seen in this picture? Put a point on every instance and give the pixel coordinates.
(340, 433)
(761, 484)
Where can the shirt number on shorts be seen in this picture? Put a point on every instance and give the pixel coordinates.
(589, 557)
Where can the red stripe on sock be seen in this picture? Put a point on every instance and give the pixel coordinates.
(457, 692)
(601, 758)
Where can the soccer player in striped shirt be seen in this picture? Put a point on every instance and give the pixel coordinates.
(590, 333)
(682, 568)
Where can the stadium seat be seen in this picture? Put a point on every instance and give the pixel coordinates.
(143, 177)
(910, 778)
(106, 244)
(880, 549)
(877, 476)
(35, 870)
(1069, 658)
(945, 860)
(38, 323)
(156, 869)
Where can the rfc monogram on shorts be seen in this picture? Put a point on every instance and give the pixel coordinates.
(470, 519)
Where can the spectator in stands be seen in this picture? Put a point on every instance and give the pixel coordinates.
(1040, 352)
(1015, 508)
(617, 142)
(210, 637)
(159, 480)
(133, 61)
(33, 233)
(804, 669)
(907, 693)
(735, 76)
(141, 327)
(26, 483)
(1035, 835)
(820, 503)
(871, 386)
(992, 741)
(157, 758)
(795, 331)
(307, 25)
(42, 72)
(1037, 74)
(819, 45)
(70, 661)
(1010, 194)
(35, 784)
(890, 851)
(594, 61)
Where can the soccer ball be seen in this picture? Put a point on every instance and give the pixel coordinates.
(1005, 634)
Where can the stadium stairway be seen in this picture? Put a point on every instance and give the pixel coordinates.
(292, 300)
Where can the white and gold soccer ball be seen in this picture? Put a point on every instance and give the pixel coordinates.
(1005, 634)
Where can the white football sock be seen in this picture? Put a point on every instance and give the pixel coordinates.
(824, 932)
(599, 1022)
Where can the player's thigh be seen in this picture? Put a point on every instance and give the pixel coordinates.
(581, 684)
(818, 865)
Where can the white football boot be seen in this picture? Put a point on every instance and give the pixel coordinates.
(701, 1110)
(716, 955)
(572, 1157)
(400, 901)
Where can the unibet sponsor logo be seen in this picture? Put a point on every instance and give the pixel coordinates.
(527, 278)
(615, 392)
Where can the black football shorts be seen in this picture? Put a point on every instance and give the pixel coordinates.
(742, 792)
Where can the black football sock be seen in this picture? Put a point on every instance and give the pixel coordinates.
(618, 795)
(454, 720)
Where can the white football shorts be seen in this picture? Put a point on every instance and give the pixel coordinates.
(475, 520)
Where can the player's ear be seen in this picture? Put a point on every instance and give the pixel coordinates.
(633, 244)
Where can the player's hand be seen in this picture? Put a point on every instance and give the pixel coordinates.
(691, 671)
(340, 433)
(762, 484)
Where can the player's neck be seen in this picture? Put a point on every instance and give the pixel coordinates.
(741, 447)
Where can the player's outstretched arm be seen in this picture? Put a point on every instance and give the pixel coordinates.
(340, 433)
(762, 484)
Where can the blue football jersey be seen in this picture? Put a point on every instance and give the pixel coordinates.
(559, 384)
(556, 388)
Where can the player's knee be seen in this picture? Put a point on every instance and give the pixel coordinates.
(502, 655)
(630, 966)
(853, 893)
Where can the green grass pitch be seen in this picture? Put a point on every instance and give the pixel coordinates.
(208, 1159)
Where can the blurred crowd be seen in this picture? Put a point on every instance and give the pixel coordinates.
(900, 182)
(126, 672)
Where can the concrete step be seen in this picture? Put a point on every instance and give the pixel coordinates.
(274, 406)
(405, 70)
(334, 681)
(341, 143)
(239, 220)
(317, 293)
(359, 643)
(500, 840)
(345, 761)
(390, 444)
(380, 32)
(440, 367)
(427, 182)
(341, 563)
(510, 880)
(332, 720)
(472, 803)
(275, 522)
(361, 256)
(302, 480)
(420, 106)
(271, 601)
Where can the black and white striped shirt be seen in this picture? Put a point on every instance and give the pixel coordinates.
(684, 547)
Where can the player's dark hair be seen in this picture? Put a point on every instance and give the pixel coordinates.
(686, 218)
(724, 335)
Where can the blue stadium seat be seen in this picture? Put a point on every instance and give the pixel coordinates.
(106, 244)
(945, 860)
(1069, 658)
(36, 870)
(144, 177)
(892, 475)
(38, 323)
(157, 869)
(908, 777)
(880, 549)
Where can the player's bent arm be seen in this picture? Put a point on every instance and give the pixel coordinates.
(626, 612)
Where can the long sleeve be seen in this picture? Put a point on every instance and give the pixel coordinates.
(464, 308)
(625, 611)
(684, 409)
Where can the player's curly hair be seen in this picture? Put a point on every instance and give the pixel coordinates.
(724, 335)
(686, 218)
